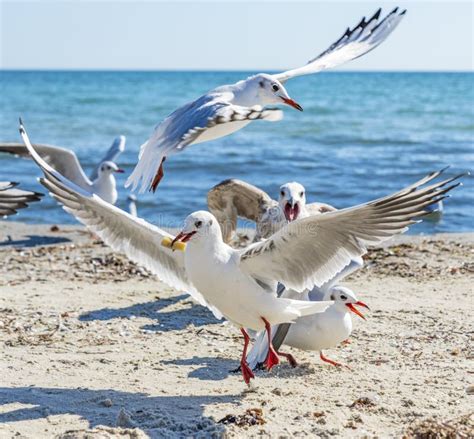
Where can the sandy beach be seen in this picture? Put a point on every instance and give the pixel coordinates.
(94, 346)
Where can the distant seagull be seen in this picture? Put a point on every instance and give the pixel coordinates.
(132, 204)
(229, 108)
(232, 199)
(101, 182)
(11, 199)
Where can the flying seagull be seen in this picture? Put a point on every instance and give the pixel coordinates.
(229, 108)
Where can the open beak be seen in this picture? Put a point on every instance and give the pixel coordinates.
(182, 237)
(120, 171)
(292, 103)
(355, 310)
(291, 212)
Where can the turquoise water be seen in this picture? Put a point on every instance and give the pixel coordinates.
(361, 136)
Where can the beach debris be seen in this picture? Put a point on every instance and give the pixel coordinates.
(107, 402)
(363, 402)
(103, 432)
(459, 428)
(54, 228)
(470, 389)
(253, 416)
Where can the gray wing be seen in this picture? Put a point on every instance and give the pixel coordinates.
(61, 159)
(311, 251)
(12, 199)
(356, 42)
(117, 147)
(232, 199)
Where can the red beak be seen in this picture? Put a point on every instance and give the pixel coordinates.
(291, 213)
(355, 310)
(120, 171)
(292, 103)
(182, 237)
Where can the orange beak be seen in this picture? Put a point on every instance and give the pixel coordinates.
(182, 237)
(355, 310)
(292, 103)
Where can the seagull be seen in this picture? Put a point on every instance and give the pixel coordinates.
(101, 182)
(12, 199)
(232, 199)
(229, 108)
(132, 204)
(314, 333)
(240, 284)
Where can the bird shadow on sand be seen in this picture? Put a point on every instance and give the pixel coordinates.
(33, 241)
(159, 416)
(173, 320)
(217, 369)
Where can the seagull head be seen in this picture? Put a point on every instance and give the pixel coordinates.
(346, 299)
(108, 168)
(271, 91)
(292, 200)
(198, 225)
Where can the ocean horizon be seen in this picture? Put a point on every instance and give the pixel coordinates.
(362, 135)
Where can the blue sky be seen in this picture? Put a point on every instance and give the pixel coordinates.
(224, 35)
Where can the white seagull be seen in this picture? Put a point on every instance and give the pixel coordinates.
(102, 180)
(314, 333)
(12, 199)
(241, 284)
(229, 108)
(232, 199)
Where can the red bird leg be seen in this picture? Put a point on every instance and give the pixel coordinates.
(159, 175)
(334, 363)
(289, 358)
(272, 357)
(246, 371)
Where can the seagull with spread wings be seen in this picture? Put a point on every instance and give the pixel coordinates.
(101, 181)
(240, 284)
(229, 108)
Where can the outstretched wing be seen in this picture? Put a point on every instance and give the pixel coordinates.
(138, 240)
(117, 147)
(205, 119)
(363, 38)
(311, 251)
(11, 199)
(232, 199)
(62, 160)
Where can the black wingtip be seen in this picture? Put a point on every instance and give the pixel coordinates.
(21, 128)
(403, 12)
(377, 14)
(14, 183)
(394, 11)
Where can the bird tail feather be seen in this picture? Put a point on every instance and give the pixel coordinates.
(149, 161)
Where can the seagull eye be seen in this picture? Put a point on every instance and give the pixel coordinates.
(198, 224)
(275, 87)
(282, 193)
(343, 297)
(301, 194)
